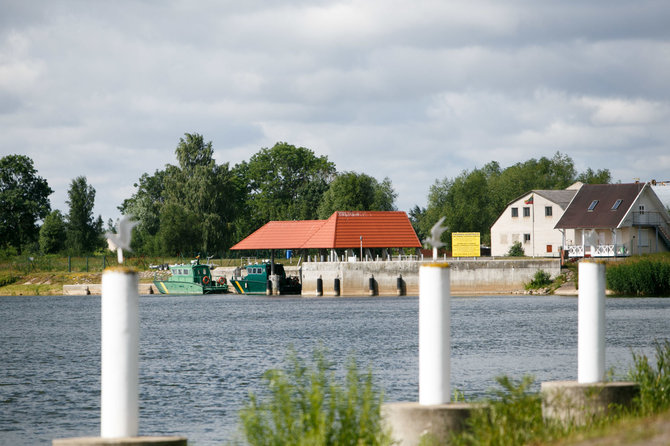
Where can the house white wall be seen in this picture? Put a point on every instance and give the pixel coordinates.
(534, 229)
(647, 209)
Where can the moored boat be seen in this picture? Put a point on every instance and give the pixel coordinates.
(253, 279)
(192, 278)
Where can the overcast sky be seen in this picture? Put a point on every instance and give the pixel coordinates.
(415, 90)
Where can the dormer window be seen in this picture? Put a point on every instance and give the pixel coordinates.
(616, 204)
(593, 205)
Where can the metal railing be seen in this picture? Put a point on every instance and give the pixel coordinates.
(598, 251)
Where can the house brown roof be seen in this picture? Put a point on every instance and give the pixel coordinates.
(578, 215)
(379, 229)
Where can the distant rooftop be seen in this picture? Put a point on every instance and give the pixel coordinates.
(378, 229)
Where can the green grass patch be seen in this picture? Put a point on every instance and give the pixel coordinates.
(654, 379)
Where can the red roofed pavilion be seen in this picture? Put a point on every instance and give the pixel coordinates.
(378, 229)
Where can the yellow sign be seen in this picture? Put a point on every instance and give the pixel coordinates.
(465, 244)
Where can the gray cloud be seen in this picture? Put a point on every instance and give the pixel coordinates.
(415, 91)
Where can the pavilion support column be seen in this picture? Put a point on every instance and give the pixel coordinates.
(272, 262)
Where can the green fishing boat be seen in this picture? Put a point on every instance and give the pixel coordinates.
(192, 278)
(253, 279)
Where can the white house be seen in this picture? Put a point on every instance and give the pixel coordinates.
(607, 220)
(530, 219)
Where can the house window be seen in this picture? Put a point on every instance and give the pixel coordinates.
(549, 248)
(515, 212)
(548, 212)
(616, 204)
(593, 205)
(526, 211)
(641, 209)
(526, 238)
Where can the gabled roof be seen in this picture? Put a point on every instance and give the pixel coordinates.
(602, 215)
(281, 235)
(379, 229)
(561, 197)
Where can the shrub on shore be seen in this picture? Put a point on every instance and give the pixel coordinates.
(516, 250)
(541, 279)
(647, 275)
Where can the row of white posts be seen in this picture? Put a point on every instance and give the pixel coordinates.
(434, 415)
(120, 340)
(435, 329)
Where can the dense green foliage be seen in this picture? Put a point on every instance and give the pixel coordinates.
(83, 231)
(24, 199)
(647, 275)
(473, 201)
(53, 233)
(305, 405)
(351, 191)
(541, 279)
(189, 208)
(516, 250)
(285, 183)
(201, 207)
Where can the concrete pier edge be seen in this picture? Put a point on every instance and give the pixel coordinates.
(122, 441)
(411, 421)
(571, 401)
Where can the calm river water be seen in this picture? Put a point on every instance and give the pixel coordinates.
(200, 356)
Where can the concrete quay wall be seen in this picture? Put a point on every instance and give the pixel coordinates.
(481, 276)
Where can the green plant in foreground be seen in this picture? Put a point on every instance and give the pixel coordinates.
(305, 405)
(512, 417)
(654, 382)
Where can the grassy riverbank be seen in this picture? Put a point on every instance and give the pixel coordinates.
(46, 275)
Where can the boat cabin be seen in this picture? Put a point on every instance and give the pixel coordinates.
(262, 271)
(190, 273)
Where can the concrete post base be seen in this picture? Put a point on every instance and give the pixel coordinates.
(275, 284)
(123, 441)
(410, 422)
(570, 401)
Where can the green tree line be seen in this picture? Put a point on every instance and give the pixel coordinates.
(200, 206)
(472, 201)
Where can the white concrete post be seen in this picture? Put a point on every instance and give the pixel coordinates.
(434, 334)
(119, 377)
(591, 323)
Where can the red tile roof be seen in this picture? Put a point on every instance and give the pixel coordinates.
(379, 229)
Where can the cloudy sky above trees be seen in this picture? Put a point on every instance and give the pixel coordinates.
(416, 90)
